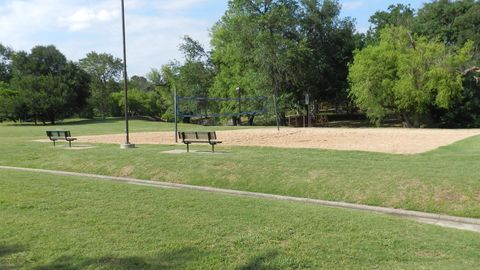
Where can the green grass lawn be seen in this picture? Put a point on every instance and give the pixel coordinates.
(442, 181)
(55, 222)
(81, 127)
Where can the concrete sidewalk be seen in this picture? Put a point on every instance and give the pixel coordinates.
(469, 224)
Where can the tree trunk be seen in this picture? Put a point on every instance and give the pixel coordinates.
(250, 120)
(416, 120)
(407, 123)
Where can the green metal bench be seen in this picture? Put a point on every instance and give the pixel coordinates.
(190, 137)
(60, 135)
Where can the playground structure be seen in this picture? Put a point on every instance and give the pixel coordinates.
(311, 117)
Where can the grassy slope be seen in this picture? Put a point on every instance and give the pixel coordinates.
(441, 181)
(52, 222)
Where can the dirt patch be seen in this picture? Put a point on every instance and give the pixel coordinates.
(127, 171)
(385, 140)
(456, 199)
(405, 189)
(317, 174)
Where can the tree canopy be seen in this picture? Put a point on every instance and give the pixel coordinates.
(407, 75)
(396, 15)
(419, 65)
(5, 63)
(286, 48)
(105, 71)
(47, 85)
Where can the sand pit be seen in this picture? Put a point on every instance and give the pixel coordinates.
(385, 140)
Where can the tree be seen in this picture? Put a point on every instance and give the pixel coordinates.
(140, 83)
(466, 111)
(455, 23)
(79, 82)
(5, 63)
(451, 22)
(167, 79)
(105, 71)
(196, 74)
(466, 26)
(193, 51)
(7, 102)
(283, 48)
(192, 78)
(322, 72)
(163, 93)
(233, 55)
(48, 86)
(140, 103)
(396, 15)
(265, 35)
(406, 75)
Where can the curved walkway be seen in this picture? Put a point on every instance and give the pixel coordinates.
(469, 224)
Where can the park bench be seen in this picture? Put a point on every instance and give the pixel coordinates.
(190, 137)
(57, 135)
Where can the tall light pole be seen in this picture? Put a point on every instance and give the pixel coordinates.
(175, 103)
(127, 143)
(175, 108)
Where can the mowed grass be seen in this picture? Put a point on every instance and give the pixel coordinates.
(56, 222)
(81, 127)
(442, 181)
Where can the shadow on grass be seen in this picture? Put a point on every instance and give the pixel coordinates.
(260, 262)
(5, 252)
(9, 250)
(176, 259)
(78, 122)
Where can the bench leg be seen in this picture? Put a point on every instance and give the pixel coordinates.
(70, 144)
(53, 143)
(188, 148)
(213, 148)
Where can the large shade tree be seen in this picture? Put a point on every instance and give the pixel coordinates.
(285, 47)
(395, 15)
(7, 96)
(47, 86)
(455, 23)
(407, 75)
(105, 71)
(192, 77)
(5, 63)
(331, 40)
(451, 22)
(7, 102)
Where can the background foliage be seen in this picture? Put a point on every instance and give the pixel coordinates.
(421, 72)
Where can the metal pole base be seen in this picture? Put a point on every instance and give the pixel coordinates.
(127, 146)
